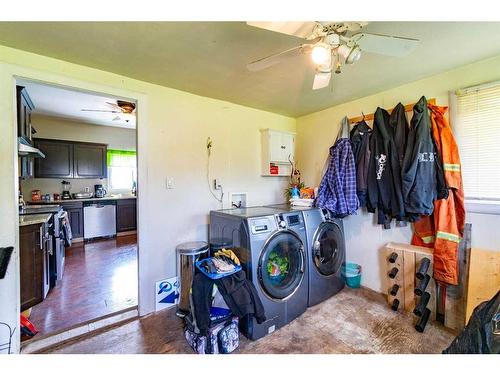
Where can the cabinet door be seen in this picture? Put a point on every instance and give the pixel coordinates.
(24, 108)
(288, 146)
(31, 260)
(126, 215)
(276, 147)
(58, 161)
(75, 219)
(90, 160)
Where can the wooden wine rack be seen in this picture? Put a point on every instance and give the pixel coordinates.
(407, 263)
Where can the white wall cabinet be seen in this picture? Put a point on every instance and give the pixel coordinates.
(278, 148)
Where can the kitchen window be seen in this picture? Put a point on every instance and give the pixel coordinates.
(476, 125)
(122, 169)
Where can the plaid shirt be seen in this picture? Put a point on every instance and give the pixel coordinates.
(337, 191)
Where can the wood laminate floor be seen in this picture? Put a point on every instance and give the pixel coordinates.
(100, 278)
(353, 321)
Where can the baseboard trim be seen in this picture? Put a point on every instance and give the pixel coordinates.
(43, 343)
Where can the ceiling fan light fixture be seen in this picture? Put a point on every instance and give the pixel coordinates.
(321, 54)
(349, 54)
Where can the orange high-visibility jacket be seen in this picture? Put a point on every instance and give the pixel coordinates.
(444, 229)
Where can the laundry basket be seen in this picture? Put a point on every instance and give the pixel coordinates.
(352, 274)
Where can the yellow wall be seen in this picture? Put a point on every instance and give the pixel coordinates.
(316, 132)
(172, 130)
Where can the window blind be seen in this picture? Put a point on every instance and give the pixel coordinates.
(477, 130)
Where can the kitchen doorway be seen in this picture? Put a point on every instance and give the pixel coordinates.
(77, 204)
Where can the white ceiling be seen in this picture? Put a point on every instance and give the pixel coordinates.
(66, 103)
(209, 58)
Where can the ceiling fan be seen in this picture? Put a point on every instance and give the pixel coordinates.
(333, 44)
(120, 107)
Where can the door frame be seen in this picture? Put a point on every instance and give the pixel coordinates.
(9, 231)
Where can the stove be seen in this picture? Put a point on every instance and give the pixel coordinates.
(39, 209)
(58, 249)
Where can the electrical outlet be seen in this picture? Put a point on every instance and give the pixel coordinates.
(169, 183)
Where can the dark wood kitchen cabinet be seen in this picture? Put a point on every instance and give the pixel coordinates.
(25, 130)
(75, 213)
(126, 215)
(58, 161)
(89, 160)
(24, 109)
(33, 260)
(69, 159)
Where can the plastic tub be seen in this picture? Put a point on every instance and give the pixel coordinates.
(352, 274)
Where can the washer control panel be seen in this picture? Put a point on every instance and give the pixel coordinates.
(260, 225)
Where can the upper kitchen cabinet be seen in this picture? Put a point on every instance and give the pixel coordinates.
(58, 161)
(89, 160)
(278, 148)
(24, 129)
(69, 159)
(24, 109)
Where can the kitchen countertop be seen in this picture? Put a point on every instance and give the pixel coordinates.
(33, 219)
(62, 201)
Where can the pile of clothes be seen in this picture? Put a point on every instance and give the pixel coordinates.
(223, 262)
(409, 172)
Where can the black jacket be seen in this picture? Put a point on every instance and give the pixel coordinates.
(400, 130)
(360, 140)
(238, 292)
(384, 173)
(420, 166)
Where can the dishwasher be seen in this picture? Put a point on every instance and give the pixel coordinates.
(99, 219)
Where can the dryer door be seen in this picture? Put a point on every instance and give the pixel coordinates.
(328, 249)
(281, 265)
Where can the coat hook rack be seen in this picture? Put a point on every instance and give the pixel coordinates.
(370, 117)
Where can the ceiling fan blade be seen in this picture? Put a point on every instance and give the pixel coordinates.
(268, 61)
(384, 44)
(114, 105)
(321, 80)
(100, 110)
(298, 29)
(116, 118)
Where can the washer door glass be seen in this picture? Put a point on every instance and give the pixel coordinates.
(281, 265)
(327, 249)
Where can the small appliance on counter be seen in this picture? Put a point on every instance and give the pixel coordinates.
(21, 201)
(66, 190)
(100, 192)
(36, 195)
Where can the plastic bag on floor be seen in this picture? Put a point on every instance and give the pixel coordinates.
(482, 333)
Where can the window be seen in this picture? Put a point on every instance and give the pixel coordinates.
(122, 169)
(476, 125)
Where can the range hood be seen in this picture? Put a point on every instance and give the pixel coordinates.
(25, 149)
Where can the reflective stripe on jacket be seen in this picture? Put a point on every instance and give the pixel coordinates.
(444, 229)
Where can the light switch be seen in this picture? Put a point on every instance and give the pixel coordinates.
(170, 183)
